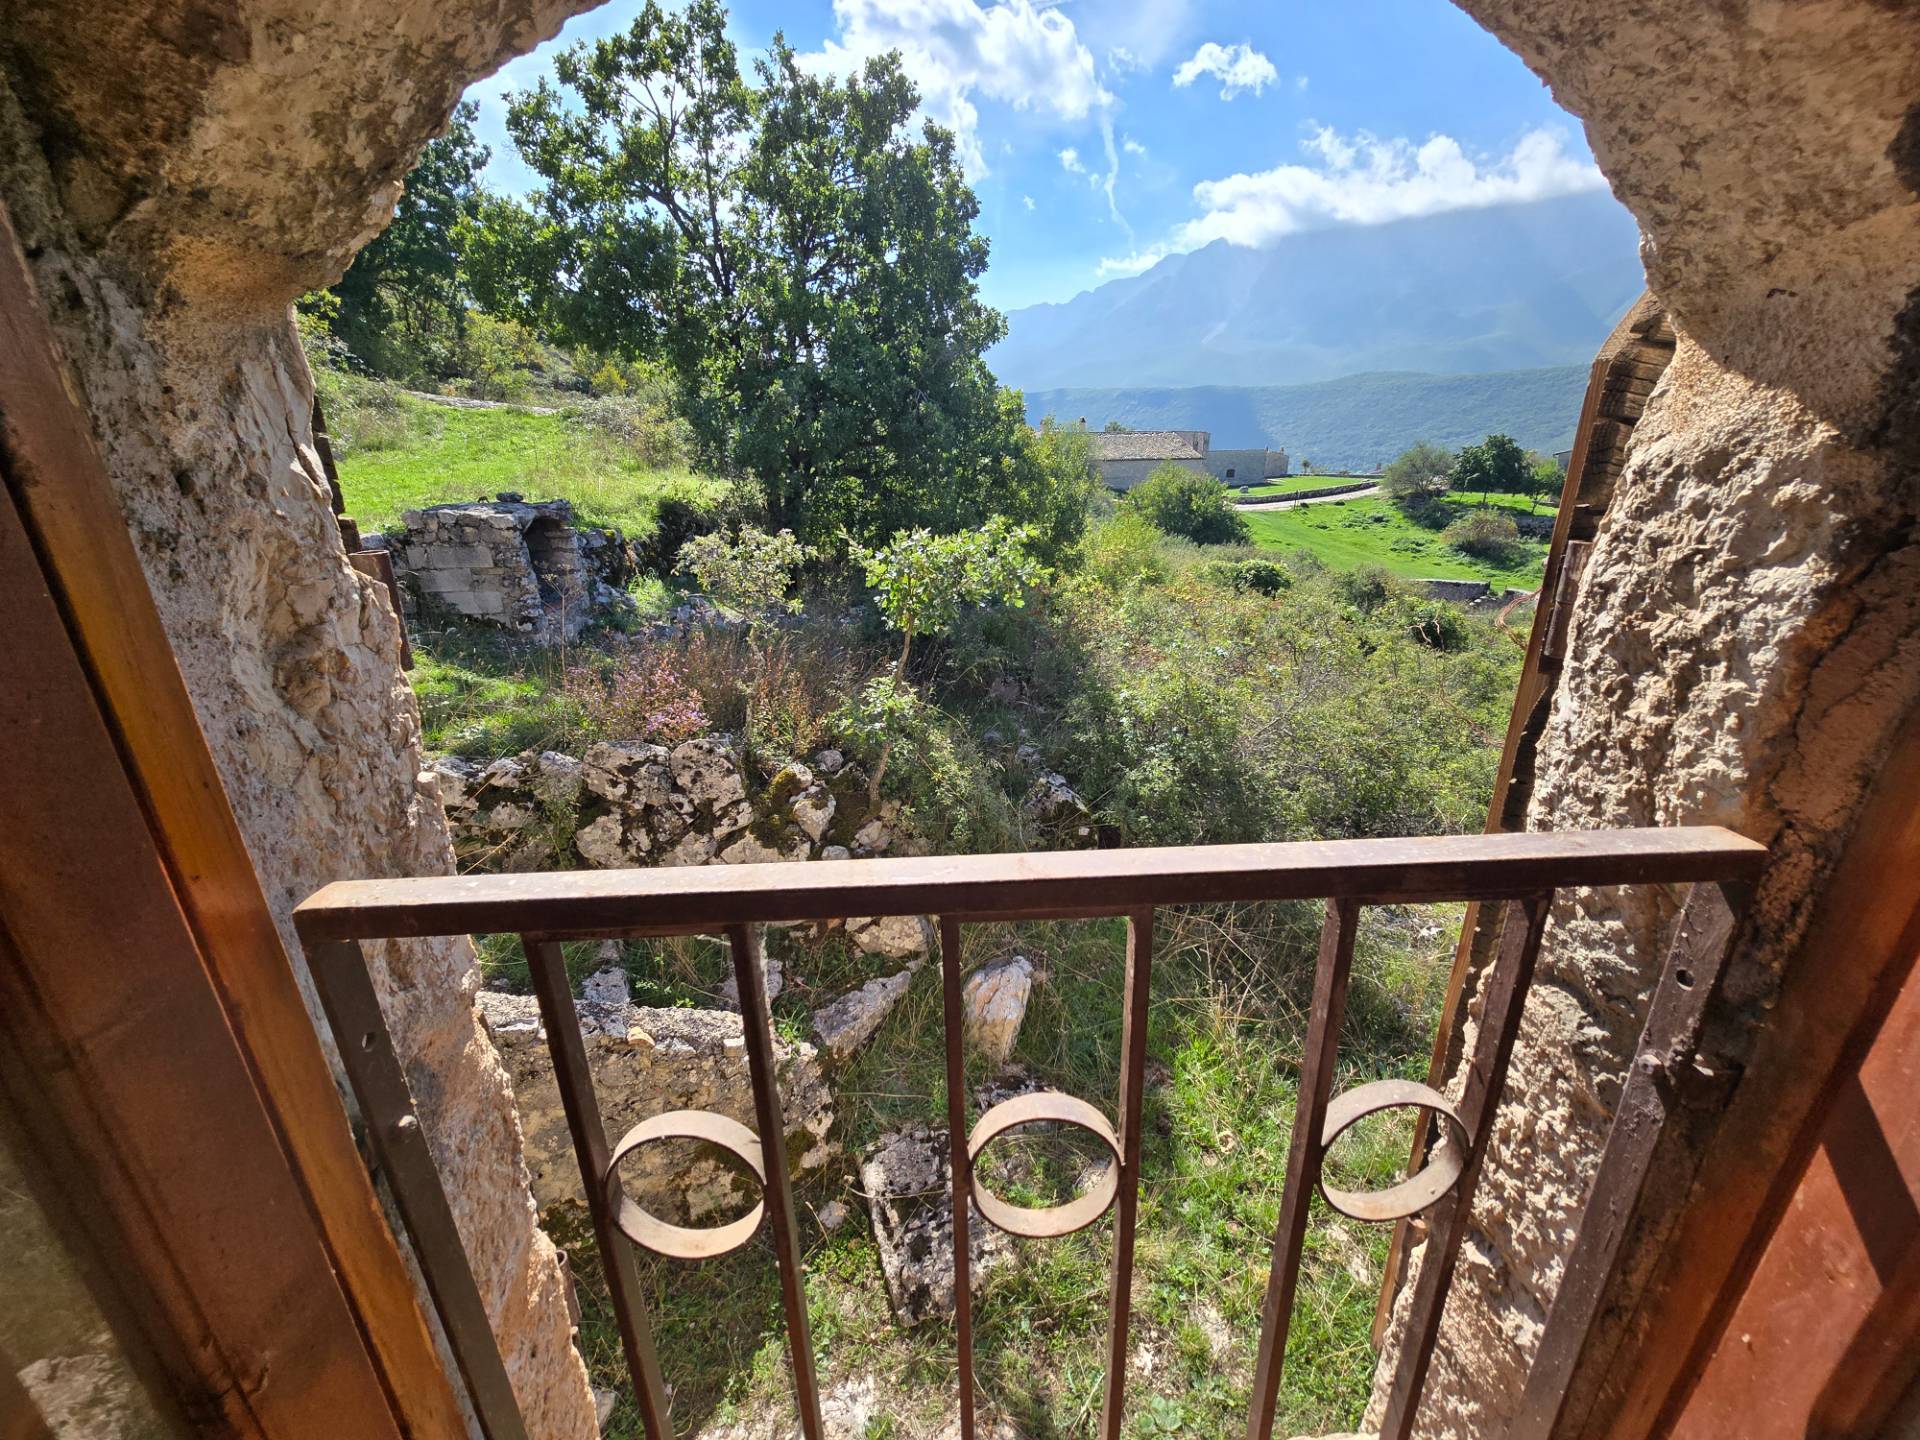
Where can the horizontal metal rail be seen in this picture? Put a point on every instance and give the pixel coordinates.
(1523, 870)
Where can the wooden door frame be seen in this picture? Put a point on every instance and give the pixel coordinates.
(125, 887)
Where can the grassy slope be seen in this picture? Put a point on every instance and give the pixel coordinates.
(1352, 534)
(423, 453)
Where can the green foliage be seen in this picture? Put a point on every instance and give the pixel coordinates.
(1188, 503)
(805, 266)
(1438, 624)
(921, 580)
(1496, 466)
(1125, 551)
(1419, 472)
(1488, 535)
(749, 572)
(401, 308)
(1261, 577)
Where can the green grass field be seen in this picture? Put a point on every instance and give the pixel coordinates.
(1294, 484)
(406, 453)
(1355, 534)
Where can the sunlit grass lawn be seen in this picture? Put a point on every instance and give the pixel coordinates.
(426, 454)
(1354, 534)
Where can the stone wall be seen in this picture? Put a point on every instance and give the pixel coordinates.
(1746, 636)
(178, 175)
(526, 567)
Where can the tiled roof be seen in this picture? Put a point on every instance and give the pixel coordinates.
(1142, 445)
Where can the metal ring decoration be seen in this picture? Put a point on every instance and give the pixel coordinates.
(1417, 1191)
(681, 1242)
(1054, 1220)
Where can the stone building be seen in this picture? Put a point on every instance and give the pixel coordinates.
(1126, 457)
(526, 566)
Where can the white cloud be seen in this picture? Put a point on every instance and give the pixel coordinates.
(1236, 67)
(1133, 146)
(1011, 51)
(1299, 82)
(1122, 61)
(1364, 180)
(1027, 200)
(1071, 163)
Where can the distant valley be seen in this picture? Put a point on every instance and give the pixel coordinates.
(1360, 421)
(1344, 346)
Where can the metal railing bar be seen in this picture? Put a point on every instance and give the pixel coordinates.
(574, 1079)
(607, 902)
(959, 1164)
(757, 1023)
(1133, 1084)
(339, 970)
(1330, 978)
(1506, 995)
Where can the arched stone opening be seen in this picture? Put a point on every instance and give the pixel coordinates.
(1744, 641)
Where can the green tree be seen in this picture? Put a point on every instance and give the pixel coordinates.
(1190, 503)
(921, 582)
(1421, 470)
(1117, 427)
(401, 307)
(1496, 466)
(1547, 478)
(803, 262)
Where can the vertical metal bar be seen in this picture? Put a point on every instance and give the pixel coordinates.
(1303, 1156)
(959, 1164)
(575, 1082)
(1506, 999)
(758, 1024)
(1133, 1084)
(339, 970)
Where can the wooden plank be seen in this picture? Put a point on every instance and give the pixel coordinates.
(1303, 1158)
(67, 506)
(1064, 883)
(117, 1061)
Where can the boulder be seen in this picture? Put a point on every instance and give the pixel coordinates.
(664, 1060)
(995, 1001)
(843, 1025)
(898, 937)
(908, 1183)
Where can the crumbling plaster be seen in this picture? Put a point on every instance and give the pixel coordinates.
(178, 174)
(1747, 635)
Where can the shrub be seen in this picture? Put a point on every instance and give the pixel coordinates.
(1125, 551)
(1438, 625)
(1260, 577)
(750, 572)
(1366, 590)
(1188, 503)
(1485, 535)
(636, 698)
(1419, 473)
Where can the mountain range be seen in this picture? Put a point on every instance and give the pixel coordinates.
(1503, 288)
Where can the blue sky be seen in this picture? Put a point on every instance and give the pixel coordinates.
(1102, 134)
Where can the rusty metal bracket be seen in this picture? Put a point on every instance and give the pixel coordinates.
(683, 1242)
(1054, 1220)
(1420, 1189)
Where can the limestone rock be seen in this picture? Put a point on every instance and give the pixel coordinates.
(665, 1060)
(830, 761)
(898, 937)
(832, 1215)
(773, 976)
(909, 1188)
(708, 772)
(1052, 800)
(843, 1025)
(995, 1000)
(813, 812)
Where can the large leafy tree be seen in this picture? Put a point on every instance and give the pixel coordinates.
(1496, 466)
(802, 260)
(401, 309)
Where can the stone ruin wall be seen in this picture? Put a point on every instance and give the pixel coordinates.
(1746, 636)
(178, 175)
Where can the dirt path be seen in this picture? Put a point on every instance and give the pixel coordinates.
(1280, 502)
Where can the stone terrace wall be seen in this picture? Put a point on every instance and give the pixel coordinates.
(1746, 637)
(178, 175)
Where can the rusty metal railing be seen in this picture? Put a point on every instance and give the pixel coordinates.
(1523, 871)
